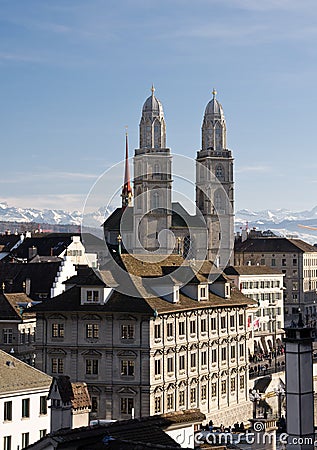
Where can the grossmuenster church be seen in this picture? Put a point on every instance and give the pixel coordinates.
(154, 223)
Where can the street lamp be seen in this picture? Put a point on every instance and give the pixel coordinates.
(254, 397)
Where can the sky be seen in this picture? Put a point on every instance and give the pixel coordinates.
(74, 73)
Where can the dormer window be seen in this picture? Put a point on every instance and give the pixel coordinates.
(203, 292)
(227, 290)
(92, 296)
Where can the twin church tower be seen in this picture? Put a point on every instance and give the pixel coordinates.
(155, 224)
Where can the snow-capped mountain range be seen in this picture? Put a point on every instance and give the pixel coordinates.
(280, 221)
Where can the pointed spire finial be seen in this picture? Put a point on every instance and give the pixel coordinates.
(153, 89)
(214, 92)
(126, 189)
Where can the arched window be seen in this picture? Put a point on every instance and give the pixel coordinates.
(155, 200)
(157, 134)
(157, 170)
(220, 173)
(186, 247)
(218, 201)
(201, 200)
(138, 199)
(218, 136)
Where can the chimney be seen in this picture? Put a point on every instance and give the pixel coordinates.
(27, 286)
(32, 252)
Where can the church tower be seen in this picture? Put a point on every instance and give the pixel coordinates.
(214, 184)
(152, 181)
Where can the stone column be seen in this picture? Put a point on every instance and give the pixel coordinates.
(299, 387)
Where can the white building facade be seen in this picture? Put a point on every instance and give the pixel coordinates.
(24, 413)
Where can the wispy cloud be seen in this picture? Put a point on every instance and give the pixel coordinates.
(67, 202)
(19, 177)
(261, 169)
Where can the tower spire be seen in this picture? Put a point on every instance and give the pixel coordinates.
(126, 189)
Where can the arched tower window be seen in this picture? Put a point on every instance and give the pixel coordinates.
(157, 170)
(155, 200)
(220, 173)
(218, 136)
(187, 247)
(157, 134)
(138, 198)
(201, 200)
(219, 206)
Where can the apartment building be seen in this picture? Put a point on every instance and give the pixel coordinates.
(266, 321)
(296, 259)
(24, 413)
(150, 354)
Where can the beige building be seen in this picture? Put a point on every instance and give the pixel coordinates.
(266, 321)
(296, 259)
(152, 354)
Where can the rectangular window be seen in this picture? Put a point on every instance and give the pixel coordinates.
(182, 362)
(127, 331)
(233, 351)
(223, 387)
(25, 407)
(25, 439)
(157, 331)
(241, 320)
(43, 404)
(92, 331)
(43, 433)
(7, 443)
(273, 262)
(232, 384)
(92, 366)
(94, 404)
(223, 354)
(126, 405)
(7, 413)
(7, 337)
(203, 292)
(223, 323)
(181, 328)
(214, 389)
(262, 262)
(157, 367)
(57, 330)
(204, 358)
(170, 364)
(241, 346)
(203, 392)
(241, 381)
(192, 327)
(193, 360)
(213, 323)
(57, 365)
(181, 398)
(92, 296)
(232, 322)
(214, 355)
(294, 262)
(157, 405)
(170, 330)
(170, 401)
(203, 325)
(284, 262)
(193, 395)
(127, 368)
